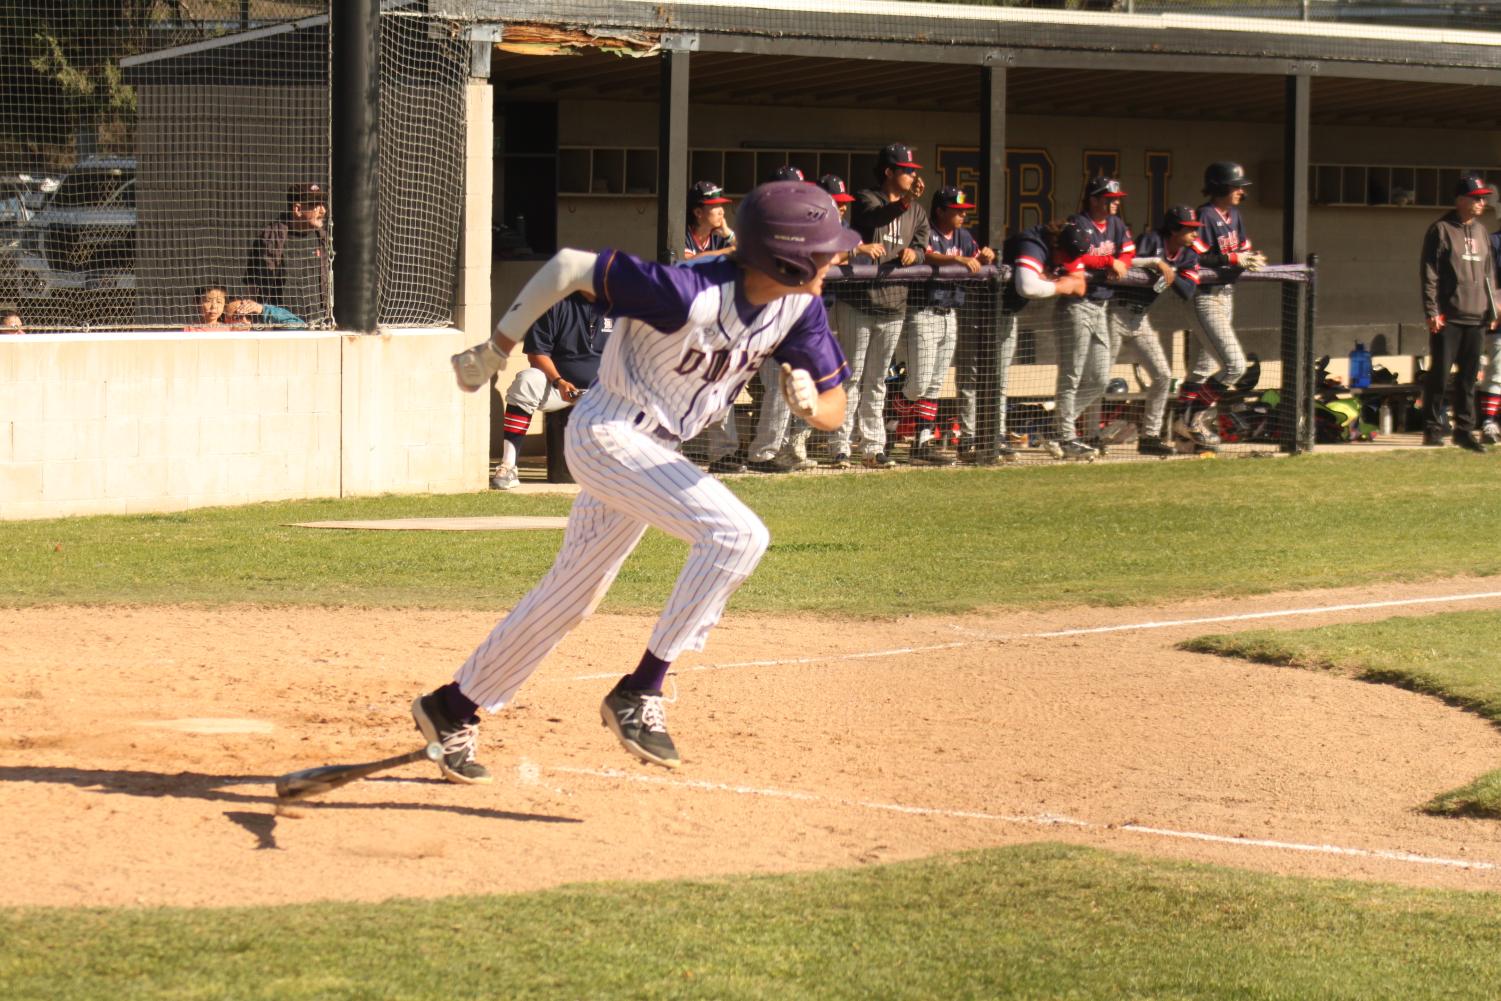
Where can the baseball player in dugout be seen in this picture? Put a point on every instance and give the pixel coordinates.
(685, 343)
(1169, 251)
(708, 235)
(932, 328)
(563, 347)
(1085, 345)
(1489, 400)
(1459, 300)
(871, 317)
(1218, 360)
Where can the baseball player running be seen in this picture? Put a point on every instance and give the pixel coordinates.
(1169, 250)
(564, 348)
(932, 328)
(1224, 246)
(686, 341)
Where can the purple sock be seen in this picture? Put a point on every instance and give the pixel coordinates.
(456, 706)
(649, 674)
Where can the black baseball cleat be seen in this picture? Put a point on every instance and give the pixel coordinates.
(460, 739)
(727, 464)
(1470, 443)
(1433, 440)
(766, 466)
(1152, 445)
(640, 724)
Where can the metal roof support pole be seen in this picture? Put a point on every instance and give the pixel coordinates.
(1297, 299)
(672, 154)
(355, 84)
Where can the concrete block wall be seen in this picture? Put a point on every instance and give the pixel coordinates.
(119, 423)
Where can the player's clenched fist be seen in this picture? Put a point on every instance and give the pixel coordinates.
(477, 366)
(799, 391)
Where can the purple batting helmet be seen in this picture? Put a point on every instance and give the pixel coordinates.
(784, 225)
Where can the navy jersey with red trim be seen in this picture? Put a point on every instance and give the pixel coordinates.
(716, 241)
(946, 295)
(1108, 240)
(1496, 255)
(1185, 263)
(1027, 249)
(1222, 235)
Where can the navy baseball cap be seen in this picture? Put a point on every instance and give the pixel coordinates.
(1472, 186)
(837, 189)
(1181, 217)
(786, 172)
(1107, 187)
(898, 155)
(706, 193)
(307, 193)
(951, 198)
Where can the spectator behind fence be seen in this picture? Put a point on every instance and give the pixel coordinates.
(210, 300)
(1084, 338)
(243, 311)
(870, 319)
(1459, 301)
(1046, 262)
(289, 260)
(1169, 250)
(10, 322)
(932, 329)
(563, 347)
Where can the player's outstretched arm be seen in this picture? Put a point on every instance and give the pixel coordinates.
(567, 272)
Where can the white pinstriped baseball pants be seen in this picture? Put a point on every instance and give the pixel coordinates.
(930, 336)
(1219, 351)
(1490, 381)
(1126, 322)
(1084, 356)
(868, 341)
(631, 479)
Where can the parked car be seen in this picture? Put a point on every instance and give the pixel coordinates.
(21, 197)
(77, 259)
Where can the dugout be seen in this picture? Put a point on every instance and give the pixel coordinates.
(1353, 132)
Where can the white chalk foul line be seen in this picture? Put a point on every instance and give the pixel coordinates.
(982, 638)
(1036, 820)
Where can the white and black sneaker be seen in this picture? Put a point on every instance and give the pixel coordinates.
(1490, 433)
(639, 722)
(460, 739)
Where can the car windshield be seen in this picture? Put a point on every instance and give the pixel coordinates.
(87, 188)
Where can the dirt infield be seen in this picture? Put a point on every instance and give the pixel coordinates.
(138, 747)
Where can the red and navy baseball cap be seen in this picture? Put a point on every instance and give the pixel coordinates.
(786, 172)
(837, 189)
(951, 198)
(1104, 187)
(1181, 217)
(307, 193)
(897, 155)
(1472, 186)
(706, 193)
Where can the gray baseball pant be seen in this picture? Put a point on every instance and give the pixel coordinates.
(1084, 355)
(868, 340)
(1130, 324)
(931, 336)
(968, 378)
(776, 415)
(1219, 352)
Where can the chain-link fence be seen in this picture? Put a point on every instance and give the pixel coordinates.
(167, 165)
(954, 367)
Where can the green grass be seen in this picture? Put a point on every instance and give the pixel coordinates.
(1040, 921)
(861, 545)
(1453, 656)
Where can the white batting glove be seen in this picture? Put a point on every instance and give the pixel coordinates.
(799, 391)
(476, 367)
(1253, 260)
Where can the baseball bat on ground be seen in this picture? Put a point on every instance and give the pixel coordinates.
(312, 781)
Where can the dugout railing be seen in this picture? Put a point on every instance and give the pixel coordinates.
(1268, 409)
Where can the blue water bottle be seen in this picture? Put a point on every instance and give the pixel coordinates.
(1360, 366)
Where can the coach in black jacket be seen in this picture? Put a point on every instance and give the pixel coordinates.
(1459, 301)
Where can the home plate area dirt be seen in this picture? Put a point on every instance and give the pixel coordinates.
(138, 747)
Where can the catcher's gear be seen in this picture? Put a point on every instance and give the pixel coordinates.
(476, 367)
(799, 391)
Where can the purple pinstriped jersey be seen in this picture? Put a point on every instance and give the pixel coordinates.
(687, 342)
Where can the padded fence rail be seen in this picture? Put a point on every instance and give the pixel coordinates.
(151, 149)
(949, 367)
